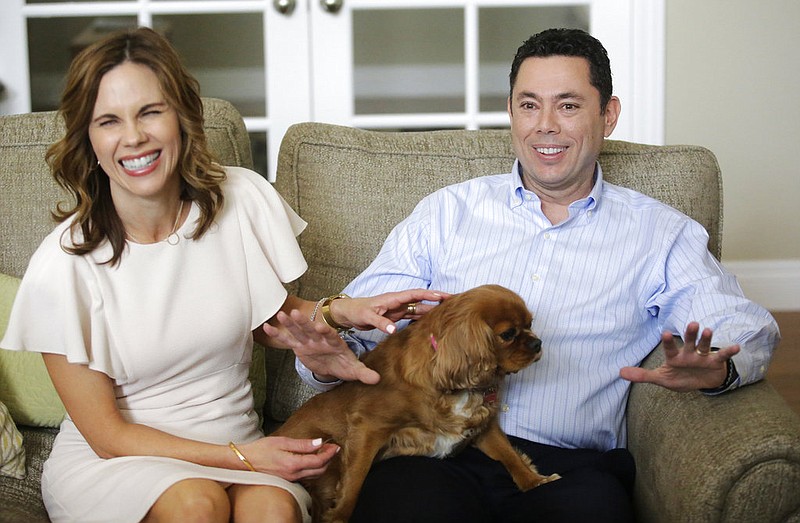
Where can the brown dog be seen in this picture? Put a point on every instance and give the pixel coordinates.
(437, 394)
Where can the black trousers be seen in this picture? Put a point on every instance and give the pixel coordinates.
(472, 488)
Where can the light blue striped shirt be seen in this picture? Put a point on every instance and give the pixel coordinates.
(602, 286)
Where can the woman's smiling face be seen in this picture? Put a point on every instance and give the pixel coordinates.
(135, 134)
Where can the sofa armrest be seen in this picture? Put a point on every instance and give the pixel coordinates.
(732, 457)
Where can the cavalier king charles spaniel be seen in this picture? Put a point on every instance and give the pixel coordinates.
(437, 394)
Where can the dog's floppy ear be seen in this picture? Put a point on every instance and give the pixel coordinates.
(464, 352)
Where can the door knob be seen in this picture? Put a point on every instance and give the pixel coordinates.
(284, 7)
(331, 6)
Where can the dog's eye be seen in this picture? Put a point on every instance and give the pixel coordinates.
(509, 335)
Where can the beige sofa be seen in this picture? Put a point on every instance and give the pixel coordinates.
(730, 458)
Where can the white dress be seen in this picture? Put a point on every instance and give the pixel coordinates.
(171, 325)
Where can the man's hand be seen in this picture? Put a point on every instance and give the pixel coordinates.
(693, 366)
(320, 348)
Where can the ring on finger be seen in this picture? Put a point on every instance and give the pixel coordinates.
(699, 352)
(411, 308)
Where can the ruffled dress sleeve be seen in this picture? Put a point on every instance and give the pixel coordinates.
(59, 309)
(268, 228)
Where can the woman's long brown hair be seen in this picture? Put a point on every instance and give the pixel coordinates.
(74, 164)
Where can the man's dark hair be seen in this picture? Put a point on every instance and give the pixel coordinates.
(568, 42)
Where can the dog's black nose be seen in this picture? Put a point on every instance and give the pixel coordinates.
(535, 345)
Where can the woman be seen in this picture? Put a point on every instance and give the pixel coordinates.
(145, 301)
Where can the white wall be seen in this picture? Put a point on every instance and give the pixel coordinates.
(732, 74)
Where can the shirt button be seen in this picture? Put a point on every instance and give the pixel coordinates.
(504, 407)
(536, 277)
(547, 236)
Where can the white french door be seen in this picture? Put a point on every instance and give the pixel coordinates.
(380, 64)
(470, 83)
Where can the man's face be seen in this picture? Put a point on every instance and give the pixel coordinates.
(557, 125)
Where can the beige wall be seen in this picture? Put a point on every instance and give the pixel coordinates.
(733, 85)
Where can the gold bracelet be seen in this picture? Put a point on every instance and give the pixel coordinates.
(241, 456)
(326, 312)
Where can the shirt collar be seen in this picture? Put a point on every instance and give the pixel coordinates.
(519, 193)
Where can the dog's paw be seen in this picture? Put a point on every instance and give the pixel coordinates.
(548, 479)
(536, 480)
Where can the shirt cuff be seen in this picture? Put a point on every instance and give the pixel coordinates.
(322, 386)
(307, 376)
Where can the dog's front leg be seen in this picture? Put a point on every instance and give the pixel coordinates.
(363, 444)
(494, 443)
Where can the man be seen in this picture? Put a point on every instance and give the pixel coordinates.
(608, 274)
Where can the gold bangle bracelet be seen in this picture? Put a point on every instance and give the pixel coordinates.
(326, 312)
(241, 456)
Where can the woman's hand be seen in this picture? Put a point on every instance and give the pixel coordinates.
(319, 348)
(381, 311)
(288, 458)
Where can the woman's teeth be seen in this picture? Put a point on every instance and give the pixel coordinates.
(141, 162)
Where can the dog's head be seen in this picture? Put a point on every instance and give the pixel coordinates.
(477, 337)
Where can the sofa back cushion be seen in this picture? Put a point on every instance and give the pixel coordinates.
(28, 193)
(353, 186)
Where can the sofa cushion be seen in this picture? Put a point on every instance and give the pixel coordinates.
(29, 192)
(385, 174)
(25, 385)
(22, 498)
(12, 454)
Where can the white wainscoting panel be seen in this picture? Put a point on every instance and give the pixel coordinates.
(774, 284)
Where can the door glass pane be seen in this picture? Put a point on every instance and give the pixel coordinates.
(225, 52)
(400, 66)
(502, 31)
(52, 43)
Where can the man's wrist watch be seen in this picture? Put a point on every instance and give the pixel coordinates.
(730, 378)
